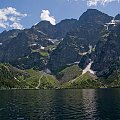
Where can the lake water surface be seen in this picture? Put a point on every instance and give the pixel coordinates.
(78, 104)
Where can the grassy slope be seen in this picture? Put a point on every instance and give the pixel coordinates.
(69, 73)
(46, 80)
(11, 77)
(112, 81)
(83, 81)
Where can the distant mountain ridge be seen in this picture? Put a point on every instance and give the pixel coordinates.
(59, 30)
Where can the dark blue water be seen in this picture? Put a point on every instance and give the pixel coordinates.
(99, 104)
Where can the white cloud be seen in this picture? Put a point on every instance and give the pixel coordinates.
(2, 25)
(96, 2)
(16, 25)
(10, 17)
(102, 2)
(45, 15)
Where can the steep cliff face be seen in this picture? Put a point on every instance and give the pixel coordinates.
(19, 46)
(106, 56)
(6, 35)
(15, 48)
(80, 41)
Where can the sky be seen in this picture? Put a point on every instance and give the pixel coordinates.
(20, 14)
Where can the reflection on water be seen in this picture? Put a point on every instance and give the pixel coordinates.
(89, 104)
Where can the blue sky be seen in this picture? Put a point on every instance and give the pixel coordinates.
(28, 12)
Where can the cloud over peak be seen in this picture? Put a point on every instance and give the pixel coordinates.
(45, 15)
(10, 17)
(102, 2)
(96, 2)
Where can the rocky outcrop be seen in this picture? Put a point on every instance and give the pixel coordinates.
(106, 57)
(80, 41)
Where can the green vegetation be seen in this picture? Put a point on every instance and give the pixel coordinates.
(70, 77)
(83, 81)
(69, 73)
(41, 80)
(112, 81)
(90, 81)
(43, 53)
(51, 47)
(34, 60)
(11, 77)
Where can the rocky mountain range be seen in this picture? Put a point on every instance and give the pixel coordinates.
(80, 41)
(79, 53)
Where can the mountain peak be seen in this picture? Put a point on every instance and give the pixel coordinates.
(43, 24)
(92, 10)
(117, 17)
(94, 16)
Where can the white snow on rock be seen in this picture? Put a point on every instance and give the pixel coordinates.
(88, 69)
(41, 32)
(82, 46)
(84, 53)
(34, 44)
(53, 40)
(90, 48)
(62, 38)
(112, 22)
(42, 47)
(77, 62)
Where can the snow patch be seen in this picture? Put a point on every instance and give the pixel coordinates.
(77, 62)
(42, 47)
(112, 22)
(88, 69)
(90, 49)
(41, 32)
(84, 53)
(82, 46)
(34, 44)
(53, 40)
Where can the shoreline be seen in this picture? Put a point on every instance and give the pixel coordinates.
(60, 88)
